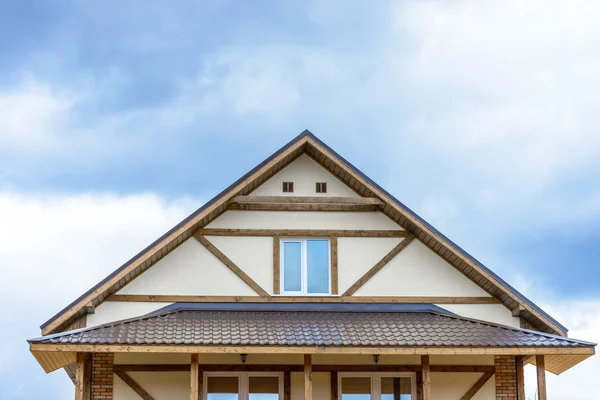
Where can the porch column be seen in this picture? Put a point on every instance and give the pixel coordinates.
(520, 362)
(505, 369)
(102, 376)
(426, 378)
(82, 377)
(540, 364)
(307, 377)
(195, 378)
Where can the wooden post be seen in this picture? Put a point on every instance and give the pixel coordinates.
(80, 377)
(194, 378)
(307, 377)
(540, 364)
(519, 363)
(426, 380)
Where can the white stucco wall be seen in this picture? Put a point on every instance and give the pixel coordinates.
(237, 219)
(496, 313)
(417, 271)
(189, 270)
(305, 173)
(110, 311)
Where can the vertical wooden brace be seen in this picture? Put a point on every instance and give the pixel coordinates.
(276, 266)
(540, 364)
(80, 377)
(519, 363)
(426, 377)
(333, 243)
(334, 385)
(194, 378)
(307, 377)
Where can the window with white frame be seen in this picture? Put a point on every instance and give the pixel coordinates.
(377, 386)
(243, 386)
(305, 266)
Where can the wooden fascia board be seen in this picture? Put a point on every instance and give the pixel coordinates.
(390, 202)
(182, 349)
(148, 254)
(356, 201)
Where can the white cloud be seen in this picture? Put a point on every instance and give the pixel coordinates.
(52, 249)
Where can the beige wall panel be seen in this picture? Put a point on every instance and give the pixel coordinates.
(254, 255)
(496, 313)
(417, 271)
(159, 385)
(304, 172)
(110, 311)
(321, 385)
(357, 255)
(189, 270)
(452, 386)
(152, 358)
(238, 219)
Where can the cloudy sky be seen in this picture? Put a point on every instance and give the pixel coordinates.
(117, 119)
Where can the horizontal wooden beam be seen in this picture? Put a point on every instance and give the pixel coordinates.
(302, 299)
(303, 232)
(299, 368)
(303, 207)
(185, 349)
(306, 200)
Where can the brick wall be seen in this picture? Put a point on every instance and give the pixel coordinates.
(506, 377)
(102, 376)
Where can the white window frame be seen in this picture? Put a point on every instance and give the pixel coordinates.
(303, 266)
(243, 382)
(376, 381)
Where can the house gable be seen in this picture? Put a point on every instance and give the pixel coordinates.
(219, 209)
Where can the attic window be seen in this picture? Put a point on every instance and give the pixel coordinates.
(288, 187)
(321, 187)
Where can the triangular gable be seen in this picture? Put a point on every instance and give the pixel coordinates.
(307, 143)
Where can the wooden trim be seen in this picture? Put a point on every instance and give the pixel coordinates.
(133, 385)
(301, 299)
(477, 386)
(231, 265)
(333, 378)
(306, 200)
(276, 265)
(300, 368)
(287, 385)
(304, 207)
(377, 267)
(540, 364)
(308, 390)
(302, 232)
(426, 377)
(189, 224)
(195, 378)
(112, 348)
(80, 376)
(419, 383)
(333, 253)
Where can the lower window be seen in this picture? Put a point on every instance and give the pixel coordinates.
(377, 386)
(243, 386)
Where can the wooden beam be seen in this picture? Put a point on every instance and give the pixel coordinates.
(520, 363)
(195, 378)
(306, 200)
(134, 385)
(540, 364)
(287, 385)
(89, 308)
(377, 267)
(426, 377)
(333, 376)
(303, 299)
(478, 385)
(333, 253)
(305, 207)
(517, 311)
(231, 265)
(302, 232)
(300, 368)
(276, 265)
(307, 377)
(80, 377)
(186, 349)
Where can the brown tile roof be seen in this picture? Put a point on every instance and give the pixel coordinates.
(189, 326)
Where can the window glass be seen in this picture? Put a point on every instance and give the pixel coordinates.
(292, 266)
(356, 388)
(222, 388)
(263, 388)
(317, 265)
(395, 388)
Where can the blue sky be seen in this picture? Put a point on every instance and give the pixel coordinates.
(480, 117)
